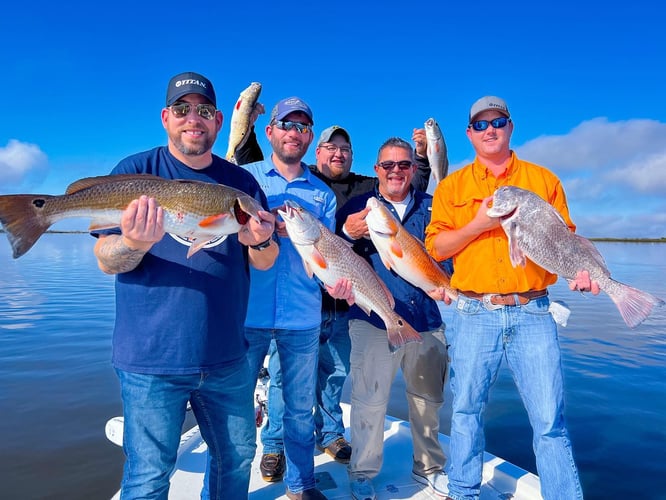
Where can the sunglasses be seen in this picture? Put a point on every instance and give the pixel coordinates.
(480, 125)
(182, 109)
(389, 165)
(303, 128)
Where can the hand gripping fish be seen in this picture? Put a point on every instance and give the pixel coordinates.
(330, 258)
(403, 252)
(436, 150)
(537, 231)
(199, 211)
(241, 118)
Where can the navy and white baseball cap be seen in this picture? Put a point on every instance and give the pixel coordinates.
(289, 105)
(486, 103)
(189, 83)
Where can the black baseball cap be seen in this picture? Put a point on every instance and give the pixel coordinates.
(189, 83)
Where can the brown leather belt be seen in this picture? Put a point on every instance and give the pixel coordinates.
(506, 299)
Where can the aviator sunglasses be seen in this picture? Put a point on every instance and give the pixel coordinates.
(303, 128)
(389, 165)
(480, 125)
(182, 109)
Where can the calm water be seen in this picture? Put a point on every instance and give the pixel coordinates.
(57, 388)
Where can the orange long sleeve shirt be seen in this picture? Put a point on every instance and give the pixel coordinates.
(484, 265)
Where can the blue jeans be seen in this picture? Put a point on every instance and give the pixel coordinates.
(334, 349)
(526, 336)
(294, 368)
(154, 409)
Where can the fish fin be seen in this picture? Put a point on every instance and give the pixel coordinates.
(319, 259)
(214, 220)
(98, 224)
(396, 248)
(401, 333)
(515, 253)
(387, 262)
(634, 305)
(589, 246)
(24, 220)
(308, 269)
(364, 308)
(88, 182)
(198, 245)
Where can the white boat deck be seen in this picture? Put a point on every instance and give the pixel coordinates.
(501, 480)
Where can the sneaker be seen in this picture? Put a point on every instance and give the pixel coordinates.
(339, 449)
(438, 481)
(361, 488)
(272, 467)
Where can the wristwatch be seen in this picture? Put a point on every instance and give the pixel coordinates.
(263, 245)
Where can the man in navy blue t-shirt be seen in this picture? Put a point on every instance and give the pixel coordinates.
(178, 334)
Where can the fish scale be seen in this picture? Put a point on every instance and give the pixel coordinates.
(200, 211)
(331, 258)
(537, 231)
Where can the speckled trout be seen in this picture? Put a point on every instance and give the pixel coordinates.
(436, 150)
(241, 118)
(198, 211)
(403, 252)
(330, 258)
(537, 231)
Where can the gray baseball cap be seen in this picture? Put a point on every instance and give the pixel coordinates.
(330, 132)
(486, 103)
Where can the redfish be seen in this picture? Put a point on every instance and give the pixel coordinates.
(403, 252)
(330, 258)
(199, 211)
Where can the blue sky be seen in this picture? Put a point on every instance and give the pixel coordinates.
(84, 83)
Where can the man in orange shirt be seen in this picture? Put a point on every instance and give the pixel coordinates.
(502, 311)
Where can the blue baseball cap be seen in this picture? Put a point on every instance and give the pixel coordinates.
(189, 83)
(290, 105)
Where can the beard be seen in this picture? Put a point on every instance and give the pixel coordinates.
(193, 148)
(288, 157)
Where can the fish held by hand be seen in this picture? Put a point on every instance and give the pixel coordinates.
(197, 211)
(537, 231)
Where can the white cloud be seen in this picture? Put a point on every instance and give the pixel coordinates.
(22, 165)
(614, 174)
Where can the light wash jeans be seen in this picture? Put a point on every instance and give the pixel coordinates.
(294, 369)
(334, 348)
(154, 409)
(526, 337)
(373, 369)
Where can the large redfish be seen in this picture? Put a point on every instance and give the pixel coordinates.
(403, 252)
(537, 231)
(330, 258)
(199, 211)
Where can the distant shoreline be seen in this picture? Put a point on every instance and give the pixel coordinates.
(609, 240)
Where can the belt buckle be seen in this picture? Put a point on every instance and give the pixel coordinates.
(489, 305)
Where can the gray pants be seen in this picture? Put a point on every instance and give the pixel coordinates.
(373, 369)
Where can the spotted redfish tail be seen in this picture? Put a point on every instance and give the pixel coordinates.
(401, 333)
(23, 220)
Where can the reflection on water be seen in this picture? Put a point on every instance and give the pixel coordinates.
(57, 387)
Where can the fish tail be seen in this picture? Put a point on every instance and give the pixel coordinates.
(401, 333)
(23, 219)
(634, 305)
